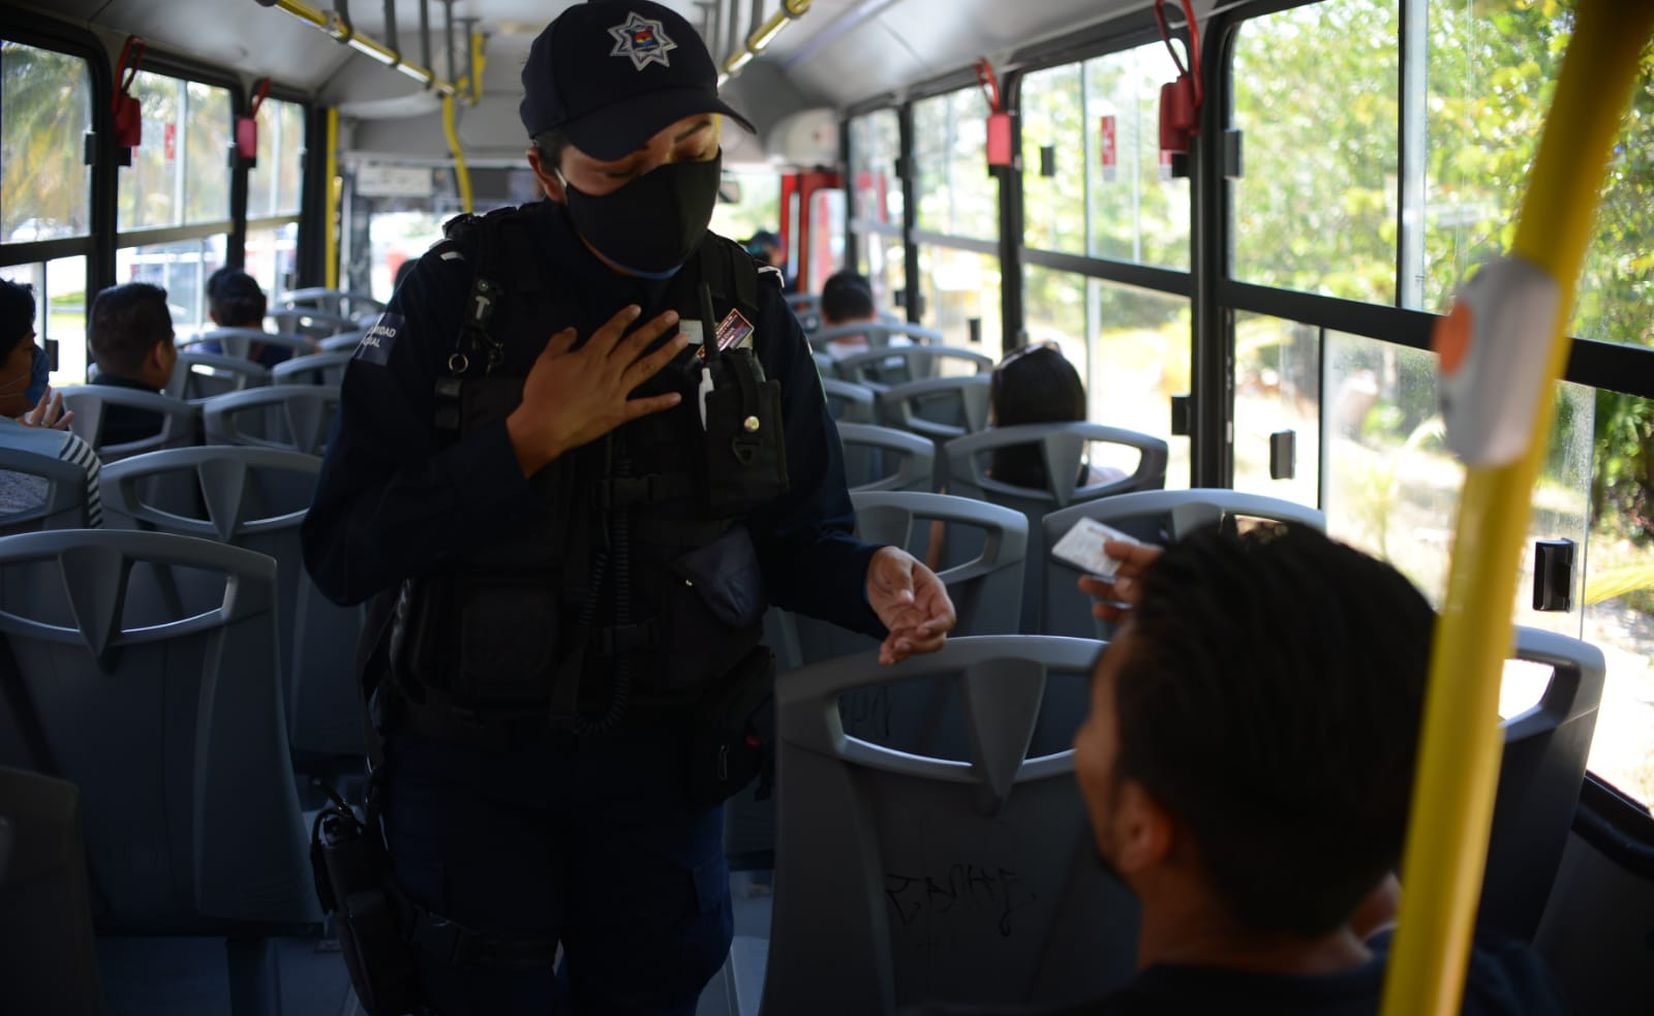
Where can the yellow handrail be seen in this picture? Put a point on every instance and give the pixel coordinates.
(333, 25)
(335, 192)
(462, 173)
(1458, 765)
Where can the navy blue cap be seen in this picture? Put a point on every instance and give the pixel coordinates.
(610, 74)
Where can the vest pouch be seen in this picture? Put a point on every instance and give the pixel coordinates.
(712, 611)
(746, 448)
(507, 641)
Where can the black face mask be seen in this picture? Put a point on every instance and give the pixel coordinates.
(654, 223)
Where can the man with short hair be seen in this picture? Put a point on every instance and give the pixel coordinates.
(1247, 765)
(130, 332)
(236, 300)
(847, 298)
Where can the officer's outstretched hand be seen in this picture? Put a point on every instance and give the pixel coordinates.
(574, 396)
(911, 601)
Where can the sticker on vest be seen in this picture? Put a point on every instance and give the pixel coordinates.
(375, 346)
(735, 331)
(691, 330)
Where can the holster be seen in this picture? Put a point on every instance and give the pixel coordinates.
(734, 739)
(354, 883)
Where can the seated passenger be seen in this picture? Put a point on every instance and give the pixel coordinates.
(130, 331)
(1247, 767)
(1037, 384)
(235, 300)
(38, 425)
(847, 299)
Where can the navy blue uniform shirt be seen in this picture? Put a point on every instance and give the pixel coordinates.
(392, 503)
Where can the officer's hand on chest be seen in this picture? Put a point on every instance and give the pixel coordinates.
(575, 396)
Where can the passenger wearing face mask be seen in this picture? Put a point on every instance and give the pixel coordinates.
(32, 417)
(578, 454)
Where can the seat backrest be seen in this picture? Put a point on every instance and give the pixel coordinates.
(311, 322)
(1063, 450)
(940, 408)
(1543, 767)
(40, 492)
(315, 369)
(256, 498)
(180, 421)
(239, 342)
(901, 877)
(295, 417)
(885, 333)
(50, 962)
(1155, 516)
(343, 342)
(203, 375)
(848, 401)
(880, 458)
(172, 727)
(807, 308)
(897, 365)
(333, 301)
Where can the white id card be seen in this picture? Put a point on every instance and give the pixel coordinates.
(1082, 547)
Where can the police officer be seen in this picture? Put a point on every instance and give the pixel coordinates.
(581, 449)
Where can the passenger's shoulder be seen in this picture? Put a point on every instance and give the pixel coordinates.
(1509, 978)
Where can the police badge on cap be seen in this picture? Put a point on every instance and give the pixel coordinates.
(610, 74)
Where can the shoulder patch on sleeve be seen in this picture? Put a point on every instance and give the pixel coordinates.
(451, 255)
(376, 344)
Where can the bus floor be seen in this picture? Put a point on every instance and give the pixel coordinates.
(187, 976)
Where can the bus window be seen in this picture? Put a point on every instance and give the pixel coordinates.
(758, 207)
(1139, 212)
(958, 217)
(179, 179)
(273, 195)
(1392, 487)
(45, 112)
(1131, 346)
(1619, 591)
(46, 190)
(1316, 208)
(876, 205)
(1490, 82)
(1277, 390)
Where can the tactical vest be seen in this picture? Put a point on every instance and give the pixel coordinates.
(635, 584)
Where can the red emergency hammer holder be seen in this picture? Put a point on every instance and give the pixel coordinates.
(1180, 100)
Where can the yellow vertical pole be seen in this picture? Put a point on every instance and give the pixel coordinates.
(335, 193)
(462, 174)
(1458, 766)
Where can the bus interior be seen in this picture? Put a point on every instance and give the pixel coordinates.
(1247, 293)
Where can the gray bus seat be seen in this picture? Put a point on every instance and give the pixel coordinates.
(239, 341)
(881, 458)
(878, 334)
(1154, 516)
(807, 308)
(315, 369)
(172, 729)
(199, 376)
(62, 499)
(310, 322)
(256, 498)
(341, 343)
(333, 301)
(50, 963)
(847, 401)
(940, 408)
(885, 368)
(901, 878)
(1543, 767)
(1063, 447)
(294, 417)
(180, 421)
